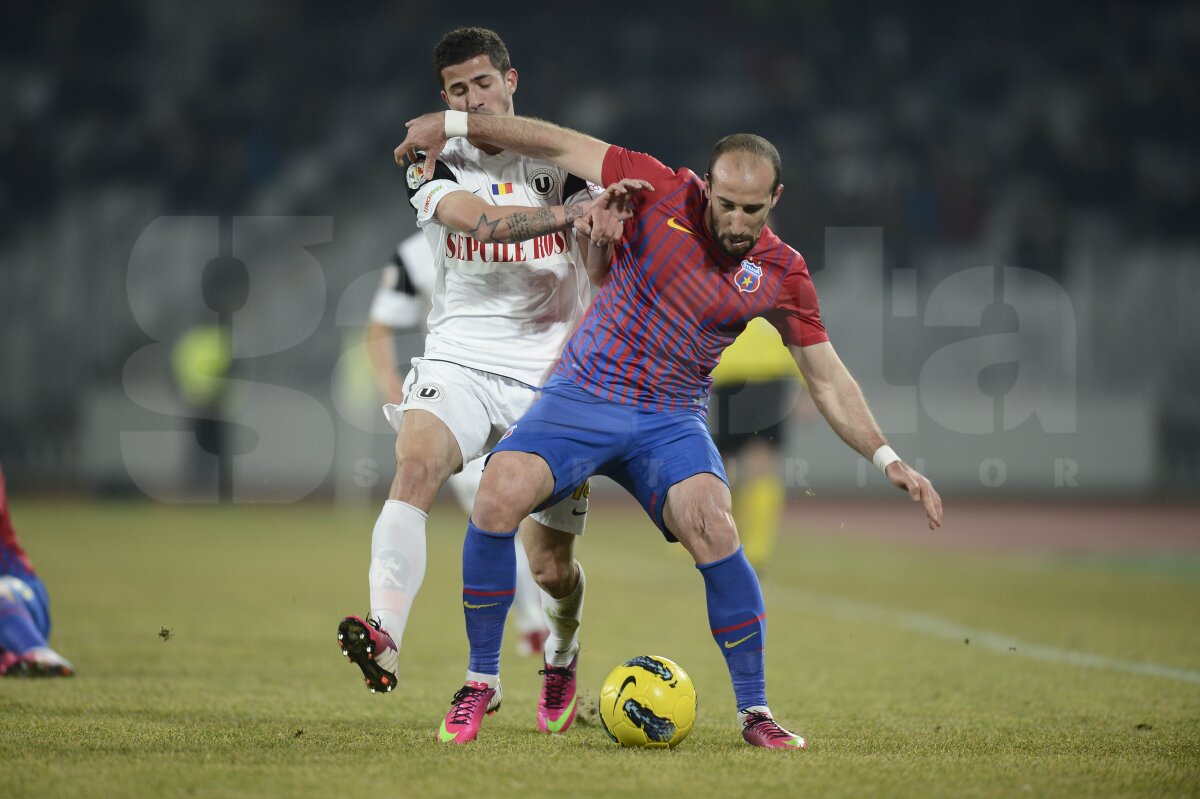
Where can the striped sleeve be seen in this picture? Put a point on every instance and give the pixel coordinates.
(797, 313)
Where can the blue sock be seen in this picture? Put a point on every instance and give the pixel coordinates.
(489, 570)
(738, 621)
(18, 631)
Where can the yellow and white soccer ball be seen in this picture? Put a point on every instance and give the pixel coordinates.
(648, 701)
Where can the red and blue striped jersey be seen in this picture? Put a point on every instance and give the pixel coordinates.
(674, 300)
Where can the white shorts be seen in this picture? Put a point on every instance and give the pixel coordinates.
(478, 407)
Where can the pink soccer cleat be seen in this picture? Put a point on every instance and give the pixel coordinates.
(40, 661)
(368, 646)
(556, 705)
(467, 709)
(759, 729)
(9, 663)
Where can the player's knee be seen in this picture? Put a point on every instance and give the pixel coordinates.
(708, 532)
(505, 497)
(718, 529)
(496, 509)
(419, 475)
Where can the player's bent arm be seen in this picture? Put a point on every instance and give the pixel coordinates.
(463, 212)
(837, 396)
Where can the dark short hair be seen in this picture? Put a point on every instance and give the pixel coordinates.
(747, 143)
(464, 44)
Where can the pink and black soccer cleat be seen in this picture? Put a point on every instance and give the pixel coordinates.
(759, 729)
(41, 661)
(556, 705)
(368, 646)
(467, 709)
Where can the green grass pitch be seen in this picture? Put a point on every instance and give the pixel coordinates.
(205, 644)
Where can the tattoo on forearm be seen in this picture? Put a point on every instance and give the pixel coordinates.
(485, 229)
(575, 211)
(521, 225)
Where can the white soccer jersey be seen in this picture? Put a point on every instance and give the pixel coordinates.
(407, 282)
(501, 308)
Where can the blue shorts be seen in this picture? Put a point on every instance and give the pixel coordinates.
(26, 590)
(646, 452)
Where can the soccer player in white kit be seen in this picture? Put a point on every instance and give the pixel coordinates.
(510, 287)
(401, 303)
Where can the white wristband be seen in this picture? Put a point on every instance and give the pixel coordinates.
(884, 456)
(456, 124)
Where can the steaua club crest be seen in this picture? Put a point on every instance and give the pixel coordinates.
(748, 278)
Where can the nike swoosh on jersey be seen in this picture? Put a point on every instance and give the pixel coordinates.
(672, 223)
(469, 606)
(732, 644)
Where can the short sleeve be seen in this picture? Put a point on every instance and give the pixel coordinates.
(621, 163)
(797, 313)
(424, 193)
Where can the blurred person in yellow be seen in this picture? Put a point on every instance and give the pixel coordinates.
(757, 388)
(200, 362)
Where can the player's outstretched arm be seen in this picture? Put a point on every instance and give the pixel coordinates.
(575, 152)
(840, 400)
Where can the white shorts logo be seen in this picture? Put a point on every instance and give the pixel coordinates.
(427, 392)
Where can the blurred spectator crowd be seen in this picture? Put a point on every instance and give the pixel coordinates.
(203, 103)
(921, 120)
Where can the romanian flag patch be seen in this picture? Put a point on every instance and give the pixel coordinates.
(501, 188)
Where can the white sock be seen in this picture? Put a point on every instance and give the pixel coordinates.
(527, 604)
(564, 616)
(490, 680)
(397, 564)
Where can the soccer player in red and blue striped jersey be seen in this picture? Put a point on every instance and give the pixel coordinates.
(628, 398)
(679, 295)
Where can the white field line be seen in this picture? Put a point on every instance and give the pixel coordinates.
(858, 611)
(853, 610)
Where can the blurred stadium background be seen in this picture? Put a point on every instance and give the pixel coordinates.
(998, 204)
